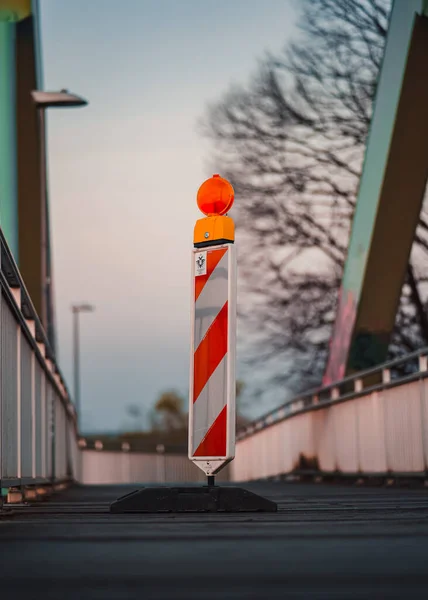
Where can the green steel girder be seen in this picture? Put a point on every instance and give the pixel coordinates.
(389, 199)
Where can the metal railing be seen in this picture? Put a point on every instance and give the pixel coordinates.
(103, 466)
(39, 440)
(373, 422)
(38, 431)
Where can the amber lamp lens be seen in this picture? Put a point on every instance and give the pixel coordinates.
(215, 196)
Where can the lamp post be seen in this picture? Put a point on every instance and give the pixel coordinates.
(44, 100)
(76, 309)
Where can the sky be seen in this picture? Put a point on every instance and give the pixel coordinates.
(123, 176)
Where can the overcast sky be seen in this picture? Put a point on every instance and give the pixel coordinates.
(124, 172)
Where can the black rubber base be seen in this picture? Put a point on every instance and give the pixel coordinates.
(192, 499)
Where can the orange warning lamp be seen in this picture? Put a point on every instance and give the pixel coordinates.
(215, 196)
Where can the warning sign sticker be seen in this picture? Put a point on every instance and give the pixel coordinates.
(200, 263)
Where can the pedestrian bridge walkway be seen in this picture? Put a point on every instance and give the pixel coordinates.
(325, 541)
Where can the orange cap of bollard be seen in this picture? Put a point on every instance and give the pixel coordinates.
(215, 196)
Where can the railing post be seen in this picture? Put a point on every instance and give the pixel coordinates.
(160, 449)
(126, 462)
(43, 423)
(18, 399)
(1, 404)
(386, 376)
(358, 385)
(423, 368)
(52, 429)
(33, 415)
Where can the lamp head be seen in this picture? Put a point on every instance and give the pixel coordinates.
(82, 308)
(61, 99)
(215, 196)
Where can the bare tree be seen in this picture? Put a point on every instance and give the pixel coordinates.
(168, 412)
(292, 143)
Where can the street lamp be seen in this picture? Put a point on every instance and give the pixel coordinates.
(76, 309)
(44, 100)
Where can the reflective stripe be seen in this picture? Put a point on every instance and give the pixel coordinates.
(213, 258)
(209, 404)
(214, 443)
(210, 352)
(211, 300)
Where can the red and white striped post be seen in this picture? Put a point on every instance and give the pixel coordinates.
(212, 414)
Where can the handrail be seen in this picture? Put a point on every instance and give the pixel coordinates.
(38, 421)
(11, 279)
(315, 397)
